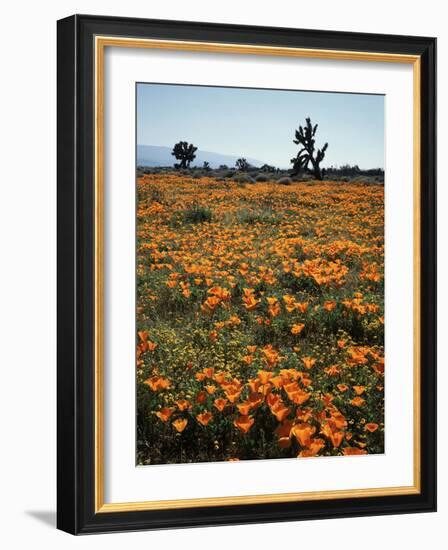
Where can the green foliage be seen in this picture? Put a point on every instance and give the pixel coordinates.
(285, 181)
(244, 178)
(197, 214)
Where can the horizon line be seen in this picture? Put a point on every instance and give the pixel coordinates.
(337, 166)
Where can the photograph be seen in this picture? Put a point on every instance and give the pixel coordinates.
(259, 274)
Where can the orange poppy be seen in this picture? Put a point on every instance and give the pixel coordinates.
(180, 424)
(342, 387)
(357, 356)
(220, 377)
(303, 433)
(327, 399)
(264, 376)
(255, 399)
(280, 411)
(359, 390)
(274, 307)
(272, 399)
(210, 304)
(158, 383)
(348, 451)
(220, 403)
(276, 381)
(244, 423)
(233, 394)
(201, 396)
(165, 413)
(302, 307)
(221, 293)
(204, 418)
(244, 408)
(291, 388)
(333, 370)
(283, 431)
(250, 303)
(209, 372)
(143, 335)
(271, 355)
(378, 367)
(183, 404)
(308, 362)
(357, 401)
(371, 427)
(297, 328)
(316, 445)
(254, 384)
(337, 419)
(304, 414)
(336, 438)
(299, 397)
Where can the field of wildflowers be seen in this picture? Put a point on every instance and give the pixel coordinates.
(260, 319)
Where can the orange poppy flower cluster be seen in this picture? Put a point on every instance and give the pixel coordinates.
(260, 326)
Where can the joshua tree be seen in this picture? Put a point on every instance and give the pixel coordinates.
(206, 166)
(242, 165)
(185, 152)
(305, 138)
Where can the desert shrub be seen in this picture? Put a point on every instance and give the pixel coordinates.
(285, 180)
(197, 214)
(302, 178)
(261, 177)
(263, 215)
(244, 178)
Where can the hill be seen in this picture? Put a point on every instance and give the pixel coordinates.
(157, 155)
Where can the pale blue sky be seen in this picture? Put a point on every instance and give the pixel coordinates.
(260, 123)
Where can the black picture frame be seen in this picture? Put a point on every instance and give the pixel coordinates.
(76, 264)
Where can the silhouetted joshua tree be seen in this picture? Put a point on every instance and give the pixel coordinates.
(242, 165)
(185, 152)
(305, 138)
(206, 166)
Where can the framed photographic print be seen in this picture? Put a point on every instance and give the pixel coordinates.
(246, 267)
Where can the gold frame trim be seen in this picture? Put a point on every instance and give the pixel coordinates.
(101, 42)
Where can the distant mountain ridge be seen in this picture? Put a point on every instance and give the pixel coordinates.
(159, 155)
